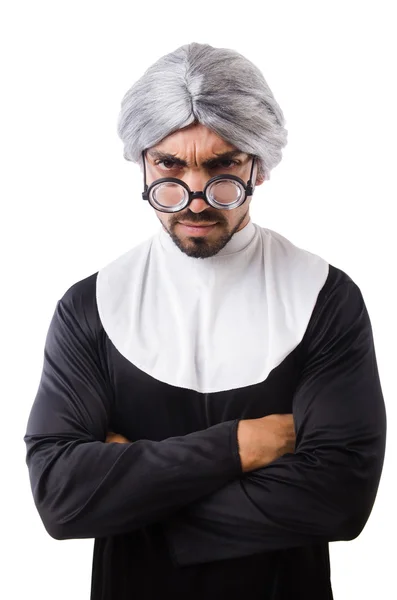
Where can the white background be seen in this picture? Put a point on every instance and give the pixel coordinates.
(70, 204)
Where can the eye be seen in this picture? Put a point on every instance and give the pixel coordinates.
(167, 163)
(224, 164)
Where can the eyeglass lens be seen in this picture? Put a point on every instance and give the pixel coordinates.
(170, 194)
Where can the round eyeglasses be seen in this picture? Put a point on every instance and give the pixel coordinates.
(225, 192)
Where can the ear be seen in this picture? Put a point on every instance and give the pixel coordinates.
(258, 176)
(259, 179)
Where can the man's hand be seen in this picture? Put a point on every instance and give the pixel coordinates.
(263, 440)
(116, 437)
(260, 441)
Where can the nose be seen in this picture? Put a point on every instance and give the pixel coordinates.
(197, 205)
(196, 182)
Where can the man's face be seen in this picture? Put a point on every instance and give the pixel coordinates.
(194, 154)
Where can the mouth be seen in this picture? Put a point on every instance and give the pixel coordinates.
(198, 228)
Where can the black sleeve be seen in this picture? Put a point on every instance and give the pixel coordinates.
(84, 487)
(326, 489)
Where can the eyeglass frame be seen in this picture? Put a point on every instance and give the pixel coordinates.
(248, 188)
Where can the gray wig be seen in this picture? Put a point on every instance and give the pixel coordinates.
(216, 87)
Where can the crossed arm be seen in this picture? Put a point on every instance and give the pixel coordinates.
(325, 490)
(83, 487)
(216, 500)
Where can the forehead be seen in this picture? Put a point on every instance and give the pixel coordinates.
(195, 143)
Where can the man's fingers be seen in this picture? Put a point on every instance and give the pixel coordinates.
(116, 437)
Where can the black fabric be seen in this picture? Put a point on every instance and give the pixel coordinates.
(324, 491)
(172, 512)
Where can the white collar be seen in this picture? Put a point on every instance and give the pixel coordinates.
(210, 325)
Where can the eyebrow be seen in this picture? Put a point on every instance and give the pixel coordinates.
(209, 162)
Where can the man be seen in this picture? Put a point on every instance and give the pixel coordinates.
(210, 408)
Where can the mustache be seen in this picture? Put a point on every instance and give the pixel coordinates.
(197, 219)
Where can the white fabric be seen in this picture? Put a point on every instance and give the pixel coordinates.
(210, 324)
